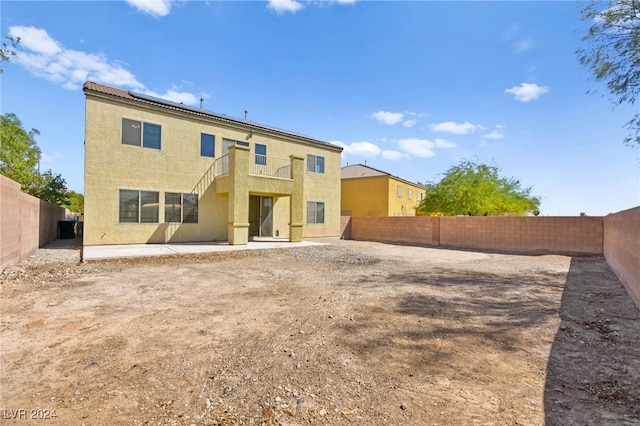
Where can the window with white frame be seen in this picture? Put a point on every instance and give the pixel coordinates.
(399, 190)
(315, 212)
(226, 143)
(420, 196)
(136, 206)
(315, 163)
(409, 193)
(261, 154)
(140, 133)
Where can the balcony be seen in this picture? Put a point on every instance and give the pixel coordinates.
(264, 166)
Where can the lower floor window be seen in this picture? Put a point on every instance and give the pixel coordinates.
(139, 206)
(315, 212)
(180, 208)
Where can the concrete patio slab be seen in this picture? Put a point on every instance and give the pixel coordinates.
(143, 250)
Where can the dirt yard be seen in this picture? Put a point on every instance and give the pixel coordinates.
(347, 333)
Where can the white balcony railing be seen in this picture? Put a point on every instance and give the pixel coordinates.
(221, 166)
(260, 165)
(270, 166)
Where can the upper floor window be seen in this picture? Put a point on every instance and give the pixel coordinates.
(140, 133)
(420, 196)
(261, 154)
(207, 145)
(410, 193)
(315, 163)
(399, 190)
(226, 143)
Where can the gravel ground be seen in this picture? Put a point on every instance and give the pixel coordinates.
(347, 333)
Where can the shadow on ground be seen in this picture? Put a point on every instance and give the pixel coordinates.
(593, 373)
(64, 244)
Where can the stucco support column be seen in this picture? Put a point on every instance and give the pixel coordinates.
(296, 213)
(238, 227)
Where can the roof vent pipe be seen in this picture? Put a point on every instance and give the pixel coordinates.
(201, 104)
(245, 115)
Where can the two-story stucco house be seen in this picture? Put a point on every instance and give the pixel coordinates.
(158, 171)
(371, 192)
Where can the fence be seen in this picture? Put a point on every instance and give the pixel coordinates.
(571, 235)
(622, 249)
(617, 236)
(26, 223)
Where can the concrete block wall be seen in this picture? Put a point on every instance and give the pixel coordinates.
(622, 249)
(422, 230)
(26, 223)
(616, 236)
(570, 235)
(345, 227)
(524, 234)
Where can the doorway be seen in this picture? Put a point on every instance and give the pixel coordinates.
(260, 216)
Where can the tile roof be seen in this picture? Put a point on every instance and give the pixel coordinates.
(93, 87)
(107, 90)
(359, 170)
(355, 171)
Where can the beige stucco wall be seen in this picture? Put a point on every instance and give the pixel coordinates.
(406, 204)
(365, 196)
(178, 167)
(378, 196)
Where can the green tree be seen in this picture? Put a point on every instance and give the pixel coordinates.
(75, 202)
(51, 187)
(19, 158)
(19, 152)
(8, 50)
(477, 190)
(612, 52)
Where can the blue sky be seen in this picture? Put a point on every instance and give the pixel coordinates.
(409, 87)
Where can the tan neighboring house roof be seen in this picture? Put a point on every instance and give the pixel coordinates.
(354, 171)
(91, 87)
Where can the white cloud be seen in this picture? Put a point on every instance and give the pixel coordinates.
(284, 6)
(36, 40)
(155, 8)
(293, 6)
(48, 59)
(389, 118)
(455, 128)
(360, 149)
(523, 45)
(443, 143)
(175, 96)
(418, 147)
(527, 91)
(393, 155)
(494, 135)
(47, 160)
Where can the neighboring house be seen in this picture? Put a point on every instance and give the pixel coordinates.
(158, 171)
(370, 192)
